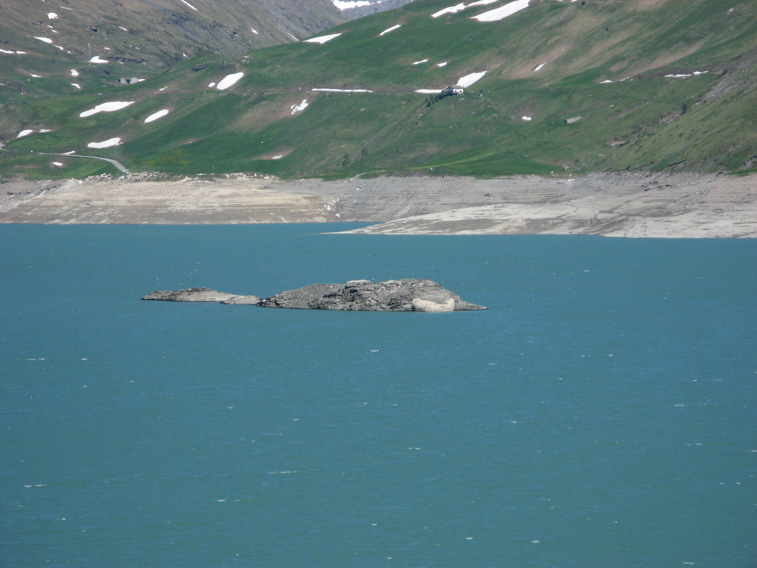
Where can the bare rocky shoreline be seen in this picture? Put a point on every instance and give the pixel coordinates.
(682, 205)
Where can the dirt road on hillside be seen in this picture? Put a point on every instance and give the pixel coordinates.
(612, 204)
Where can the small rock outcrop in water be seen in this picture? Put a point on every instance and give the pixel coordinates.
(407, 295)
(201, 295)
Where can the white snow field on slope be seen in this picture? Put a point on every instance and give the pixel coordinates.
(388, 30)
(328, 90)
(502, 12)
(461, 6)
(300, 107)
(468, 80)
(229, 81)
(156, 115)
(105, 143)
(106, 107)
(321, 39)
(349, 5)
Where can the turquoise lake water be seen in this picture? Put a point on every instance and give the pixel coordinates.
(600, 414)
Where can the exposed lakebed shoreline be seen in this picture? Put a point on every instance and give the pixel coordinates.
(611, 204)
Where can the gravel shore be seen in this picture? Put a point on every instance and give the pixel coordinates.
(610, 204)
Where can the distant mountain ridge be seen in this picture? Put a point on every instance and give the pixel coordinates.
(551, 87)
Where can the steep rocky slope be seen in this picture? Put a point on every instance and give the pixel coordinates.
(140, 37)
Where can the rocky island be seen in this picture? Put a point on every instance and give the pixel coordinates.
(405, 295)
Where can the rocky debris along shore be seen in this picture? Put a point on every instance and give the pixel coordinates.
(405, 295)
(201, 295)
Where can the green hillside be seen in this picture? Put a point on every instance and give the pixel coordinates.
(569, 87)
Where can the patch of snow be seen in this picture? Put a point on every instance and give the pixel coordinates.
(451, 10)
(442, 64)
(327, 90)
(351, 4)
(35, 75)
(428, 91)
(105, 143)
(57, 164)
(300, 107)
(538, 67)
(24, 133)
(52, 16)
(321, 39)
(123, 28)
(461, 6)
(190, 5)
(156, 115)
(681, 75)
(606, 81)
(106, 48)
(45, 39)
(44, 130)
(278, 157)
(210, 85)
(572, 120)
(20, 53)
(74, 73)
(229, 81)
(253, 30)
(502, 12)
(468, 80)
(386, 31)
(421, 61)
(77, 85)
(106, 107)
(8, 52)
(97, 59)
(527, 118)
(163, 88)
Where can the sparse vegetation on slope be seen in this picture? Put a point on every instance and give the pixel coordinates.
(569, 87)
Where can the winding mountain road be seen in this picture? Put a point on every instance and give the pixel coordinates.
(116, 163)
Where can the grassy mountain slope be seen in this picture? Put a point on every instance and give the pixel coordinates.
(569, 87)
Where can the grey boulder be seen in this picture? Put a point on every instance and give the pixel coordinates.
(406, 295)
